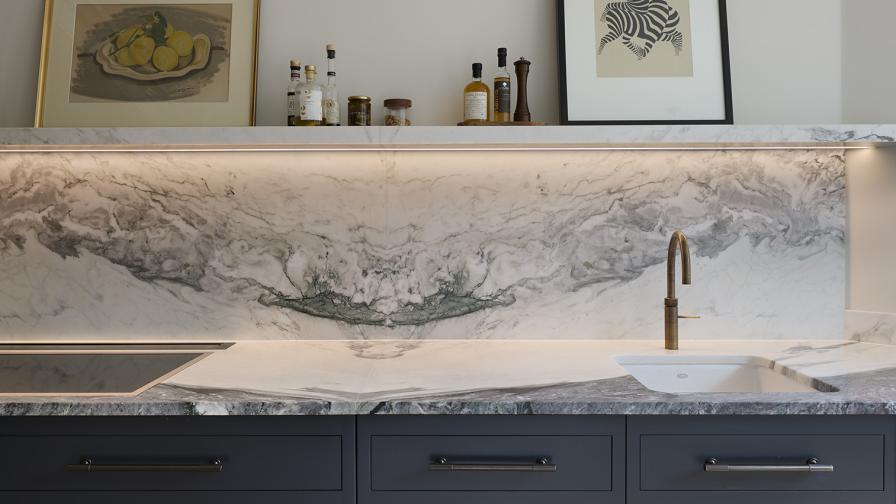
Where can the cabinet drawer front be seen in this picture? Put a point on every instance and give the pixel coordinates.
(168, 462)
(491, 463)
(761, 462)
(491, 459)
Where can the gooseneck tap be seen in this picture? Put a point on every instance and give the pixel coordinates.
(679, 241)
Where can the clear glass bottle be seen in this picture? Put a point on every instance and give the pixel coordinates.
(311, 97)
(292, 98)
(477, 98)
(331, 95)
(503, 89)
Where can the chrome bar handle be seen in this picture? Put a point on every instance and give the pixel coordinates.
(539, 465)
(811, 466)
(87, 465)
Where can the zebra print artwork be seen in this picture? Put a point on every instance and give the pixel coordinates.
(641, 25)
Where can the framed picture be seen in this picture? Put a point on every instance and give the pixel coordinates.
(107, 63)
(644, 62)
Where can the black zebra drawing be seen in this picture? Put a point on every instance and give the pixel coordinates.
(652, 21)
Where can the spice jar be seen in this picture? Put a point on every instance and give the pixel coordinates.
(359, 111)
(396, 110)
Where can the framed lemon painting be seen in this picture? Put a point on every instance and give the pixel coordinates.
(109, 63)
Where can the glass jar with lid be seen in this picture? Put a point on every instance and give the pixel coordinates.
(396, 112)
(359, 111)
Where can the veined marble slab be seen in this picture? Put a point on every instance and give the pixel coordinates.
(452, 137)
(486, 377)
(419, 245)
(871, 327)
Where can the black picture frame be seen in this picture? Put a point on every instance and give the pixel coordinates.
(726, 78)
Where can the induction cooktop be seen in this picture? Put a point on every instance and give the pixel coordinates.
(94, 369)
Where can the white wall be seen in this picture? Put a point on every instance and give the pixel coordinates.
(868, 97)
(869, 73)
(785, 67)
(786, 60)
(872, 234)
(19, 56)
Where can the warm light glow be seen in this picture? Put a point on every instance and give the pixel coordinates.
(447, 148)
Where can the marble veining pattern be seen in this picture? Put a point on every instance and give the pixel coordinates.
(418, 245)
(485, 377)
(871, 327)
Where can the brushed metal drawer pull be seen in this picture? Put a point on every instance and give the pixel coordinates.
(87, 465)
(540, 465)
(811, 466)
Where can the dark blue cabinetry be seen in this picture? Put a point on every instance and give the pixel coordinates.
(768, 460)
(491, 460)
(178, 460)
(449, 460)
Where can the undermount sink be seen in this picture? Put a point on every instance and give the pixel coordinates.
(88, 369)
(718, 374)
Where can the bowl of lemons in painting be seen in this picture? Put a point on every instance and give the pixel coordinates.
(153, 49)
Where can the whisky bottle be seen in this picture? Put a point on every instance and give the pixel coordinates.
(331, 95)
(502, 89)
(477, 98)
(311, 97)
(292, 99)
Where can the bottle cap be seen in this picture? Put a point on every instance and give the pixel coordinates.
(477, 70)
(331, 51)
(295, 63)
(502, 57)
(502, 51)
(331, 47)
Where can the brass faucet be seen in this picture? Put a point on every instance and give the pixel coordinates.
(679, 240)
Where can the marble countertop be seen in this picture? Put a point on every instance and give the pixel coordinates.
(449, 137)
(485, 377)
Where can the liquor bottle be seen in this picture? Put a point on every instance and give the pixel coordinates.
(292, 99)
(311, 97)
(331, 95)
(477, 98)
(502, 89)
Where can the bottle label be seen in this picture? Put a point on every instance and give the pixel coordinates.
(292, 108)
(502, 97)
(331, 111)
(311, 108)
(476, 106)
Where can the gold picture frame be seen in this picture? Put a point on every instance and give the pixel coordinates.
(148, 63)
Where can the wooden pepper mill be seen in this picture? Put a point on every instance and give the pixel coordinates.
(522, 99)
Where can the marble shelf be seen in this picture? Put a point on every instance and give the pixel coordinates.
(447, 138)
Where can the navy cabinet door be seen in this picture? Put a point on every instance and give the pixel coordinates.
(182, 459)
(491, 460)
(745, 460)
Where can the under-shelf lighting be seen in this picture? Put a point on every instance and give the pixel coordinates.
(13, 149)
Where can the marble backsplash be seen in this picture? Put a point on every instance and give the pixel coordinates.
(413, 245)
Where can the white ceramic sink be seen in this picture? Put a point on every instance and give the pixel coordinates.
(717, 374)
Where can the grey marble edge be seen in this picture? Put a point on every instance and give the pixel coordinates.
(449, 136)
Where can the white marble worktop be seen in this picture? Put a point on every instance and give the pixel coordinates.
(485, 377)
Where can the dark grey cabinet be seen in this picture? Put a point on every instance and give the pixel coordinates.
(449, 460)
(494, 460)
(793, 460)
(189, 459)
